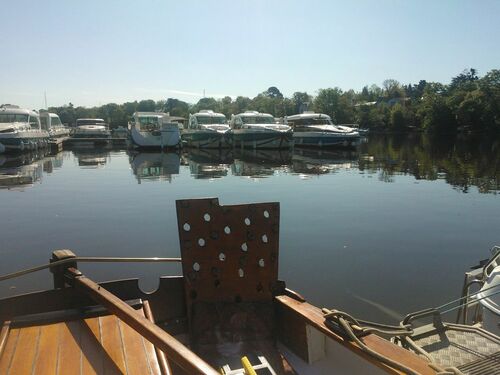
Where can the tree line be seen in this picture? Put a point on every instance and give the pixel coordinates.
(468, 102)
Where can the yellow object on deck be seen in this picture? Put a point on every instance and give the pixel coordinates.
(247, 366)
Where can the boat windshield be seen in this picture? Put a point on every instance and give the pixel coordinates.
(257, 119)
(210, 120)
(90, 122)
(148, 120)
(312, 121)
(11, 117)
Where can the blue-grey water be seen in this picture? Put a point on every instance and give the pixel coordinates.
(380, 231)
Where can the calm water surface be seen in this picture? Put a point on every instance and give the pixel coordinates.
(379, 232)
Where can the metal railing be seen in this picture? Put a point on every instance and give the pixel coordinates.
(89, 260)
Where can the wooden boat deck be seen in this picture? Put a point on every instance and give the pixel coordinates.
(99, 345)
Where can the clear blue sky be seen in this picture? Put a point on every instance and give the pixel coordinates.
(95, 52)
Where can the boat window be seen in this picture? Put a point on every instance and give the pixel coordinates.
(258, 120)
(10, 117)
(209, 120)
(34, 123)
(312, 121)
(55, 121)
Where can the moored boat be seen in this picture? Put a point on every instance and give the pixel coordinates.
(155, 130)
(228, 313)
(207, 129)
(52, 123)
(20, 130)
(317, 130)
(91, 130)
(252, 129)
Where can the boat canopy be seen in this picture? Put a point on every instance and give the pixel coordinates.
(309, 118)
(254, 117)
(209, 117)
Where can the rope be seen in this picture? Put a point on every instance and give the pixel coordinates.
(351, 327)
(350, 324)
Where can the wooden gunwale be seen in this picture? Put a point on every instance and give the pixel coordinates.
(313, 316)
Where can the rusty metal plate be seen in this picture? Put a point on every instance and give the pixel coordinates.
(229, 253)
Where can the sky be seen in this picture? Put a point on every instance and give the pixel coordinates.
(96, 52)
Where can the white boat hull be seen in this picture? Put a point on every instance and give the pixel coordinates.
(261, 138)
(325, 139)
(27, 140)
(164, 138)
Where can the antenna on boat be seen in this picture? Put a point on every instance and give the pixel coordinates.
(203, 92)
(45, 97)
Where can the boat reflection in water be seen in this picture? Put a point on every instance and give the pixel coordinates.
(208, 163)
(91, 158)
(23, 170)
(317, 162)
(155, 166)
(261, 163)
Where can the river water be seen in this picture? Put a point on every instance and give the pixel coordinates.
(379, 232)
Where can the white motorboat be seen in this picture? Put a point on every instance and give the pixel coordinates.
(317, 130)
(207, 129)
(20, 130)
(155, 130)
(52, 123)
(94, 130)
(253, 129)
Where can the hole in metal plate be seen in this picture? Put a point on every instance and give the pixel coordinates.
(264, 238)
(266, 214)
(201, 242)
(247, 221)
(244, 246)
(186, 227)
(206, 217)
(196, 266)
(227, 230)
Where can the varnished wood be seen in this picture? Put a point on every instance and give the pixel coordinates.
(9, 350)
(3, 336)
(48, 347)
(167, 301)
(112, 343)
(312, 315)
(25, 351)
(162, 358)
(174, 350)
(70, 355)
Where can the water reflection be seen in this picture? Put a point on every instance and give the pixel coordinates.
(261, 163)
(91, 158)
(18, 171)
(317, 162)
(208, 163)
(461, 162)
(154, 166)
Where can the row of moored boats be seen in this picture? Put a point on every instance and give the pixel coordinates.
(250, 129)
(24, 130)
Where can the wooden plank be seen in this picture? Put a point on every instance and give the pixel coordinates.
(4, 334)
(112, 342)
(26, 349)
(48, 347)
(90, 343)
(312, 315)
(69, 358)
(136, 356)
(174, 350)
(9, 350)
(159, 357)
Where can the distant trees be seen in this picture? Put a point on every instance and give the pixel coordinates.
(469, 102)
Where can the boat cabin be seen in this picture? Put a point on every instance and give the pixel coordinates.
(251, 118)
(49, 120)
(16, 115)
(306, 119)
(206, 117)
(90, 121)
